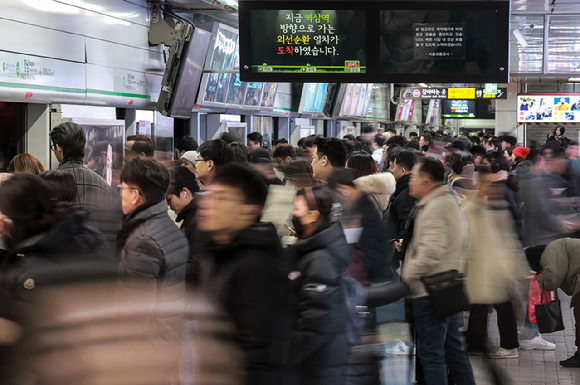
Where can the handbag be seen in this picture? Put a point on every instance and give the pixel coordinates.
(446, 293)
(549, 316)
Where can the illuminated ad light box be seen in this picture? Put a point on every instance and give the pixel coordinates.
(360, 42)
(549, 108)
(459, 109)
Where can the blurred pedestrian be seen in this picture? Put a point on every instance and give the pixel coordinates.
(244, 271)
(319, 345)
(39, 234)
(62, 186)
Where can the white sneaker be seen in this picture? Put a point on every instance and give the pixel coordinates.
(503, 353)
(537, 343)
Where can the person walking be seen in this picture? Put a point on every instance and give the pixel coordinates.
(438, 244)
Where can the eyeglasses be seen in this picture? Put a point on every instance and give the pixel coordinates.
(121, 188)
(196, 161)
(53, 147)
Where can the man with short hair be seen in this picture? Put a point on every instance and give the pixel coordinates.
(307, 144)
(184, 144)
(438, 244)
(478, 153)
(328, 154)
(180, 198)
(425, 142)
(401, 202)
(93, 193)
(254, 141)
(211, 156)
(243, 270)
(151, 248)
(138, 146)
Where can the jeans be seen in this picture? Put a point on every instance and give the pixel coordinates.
(476, 336)
(439, 346)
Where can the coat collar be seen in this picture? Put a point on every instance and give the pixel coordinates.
(441, 190)
(146, 211)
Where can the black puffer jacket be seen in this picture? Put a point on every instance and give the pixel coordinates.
(320, 349)
(248, 279)
(152, 249)
(188, 221)
(72, 239)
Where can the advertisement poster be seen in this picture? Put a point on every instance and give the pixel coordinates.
(549, 108)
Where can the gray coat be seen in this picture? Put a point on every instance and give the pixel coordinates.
(152, 249)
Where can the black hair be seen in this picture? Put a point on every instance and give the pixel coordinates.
(180, 177)
(413, 134)
(494, 143)
(27, 200)
(397, 139)
(280, 141)
(217, 151)
(246, 179)
(349, 137)
(558, 151)
(239, 152)
(510, 139)
(255, 137)
(321, 200)
(562, 130)
(307, 141)
(71, 137)
(61, 184)
(149, 176)
(433, 168)
(186, 143)
(477, 151)
(497, 161)
(459, 159)
(334, 150)
(229, 137)
(426, 137)
(366, 129)
(405, 159)
(362, 163)
(144, 147)
(380, 140)
(351, 146)
(475, 140)
(413, 144)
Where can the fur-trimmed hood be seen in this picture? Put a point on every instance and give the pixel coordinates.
(379, 187)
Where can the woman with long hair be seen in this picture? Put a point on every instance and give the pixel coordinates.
(319, 344)
(379, 186)
(38, 233)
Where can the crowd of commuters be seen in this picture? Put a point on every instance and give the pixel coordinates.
(292, 242)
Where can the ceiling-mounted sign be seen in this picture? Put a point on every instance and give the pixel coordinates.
(312, 41)
(458, 93)
(381, 41)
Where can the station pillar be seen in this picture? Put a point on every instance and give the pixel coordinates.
(506, 113)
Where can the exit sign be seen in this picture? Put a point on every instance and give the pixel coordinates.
(490, 88)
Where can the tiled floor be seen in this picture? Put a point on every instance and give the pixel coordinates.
(532, 367)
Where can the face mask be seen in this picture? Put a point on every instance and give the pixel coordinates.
(297, 226)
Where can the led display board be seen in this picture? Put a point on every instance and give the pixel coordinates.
(360, 42)
(459, 108)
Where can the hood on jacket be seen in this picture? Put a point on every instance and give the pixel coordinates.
(331, 239)
(259, 236)
(381, 186)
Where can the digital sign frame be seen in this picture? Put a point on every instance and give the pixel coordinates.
(374, 71)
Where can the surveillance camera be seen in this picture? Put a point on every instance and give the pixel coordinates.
(395, 100)
(532, 26)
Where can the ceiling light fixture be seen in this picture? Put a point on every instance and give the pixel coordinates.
(574, 79)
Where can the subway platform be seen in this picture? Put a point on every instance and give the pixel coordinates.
(533, 367)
